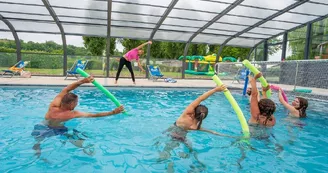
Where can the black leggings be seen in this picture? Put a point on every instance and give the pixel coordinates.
(127, 63)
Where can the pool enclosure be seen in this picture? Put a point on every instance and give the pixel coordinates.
(240, 23)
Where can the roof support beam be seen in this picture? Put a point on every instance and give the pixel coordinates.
(290, 7)
(184, 60)
(158, 25)
(109, 24)
(17, 41)
(216, 18)
(250, 53)
(265, 50)
(62, 32)
(307, 41)
(208, 24)
(284, 46)
(255, 57)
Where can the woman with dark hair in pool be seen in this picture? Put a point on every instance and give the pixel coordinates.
(191, 119)
(128, 57)
(194, 114)
(262, 110)
(298, 107)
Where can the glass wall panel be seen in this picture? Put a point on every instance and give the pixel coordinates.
(319, 40)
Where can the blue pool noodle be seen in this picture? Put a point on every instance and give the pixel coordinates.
(246, 83)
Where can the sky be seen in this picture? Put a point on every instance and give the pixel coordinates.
(42, 38)
(77, 41)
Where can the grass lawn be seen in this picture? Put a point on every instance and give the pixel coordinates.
(124, 73)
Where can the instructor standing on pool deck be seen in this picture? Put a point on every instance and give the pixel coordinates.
(128, 57)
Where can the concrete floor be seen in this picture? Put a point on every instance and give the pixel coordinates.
(109, 82)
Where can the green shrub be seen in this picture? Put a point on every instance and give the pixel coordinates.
(43, 61)
(95, 64)
(7, 59)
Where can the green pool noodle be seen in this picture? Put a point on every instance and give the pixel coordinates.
(235, 106)
(300, 90)
(100, 87)
(255, 71)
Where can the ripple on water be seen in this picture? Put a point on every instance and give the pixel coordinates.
(133, 142)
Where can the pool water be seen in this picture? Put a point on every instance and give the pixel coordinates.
(135, 142)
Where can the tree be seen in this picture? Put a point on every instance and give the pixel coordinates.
(95, 45)
(129, 44)
(117, 53)
(297, 43)
(236, 52)
(49, 47)
(173, 50)
(157, 50)
(197, 49)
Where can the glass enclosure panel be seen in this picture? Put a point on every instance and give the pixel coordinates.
(276, 4)
(296, 44)
(310, 8)
(319, 40)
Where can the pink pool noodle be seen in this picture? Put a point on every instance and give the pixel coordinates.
(276, 88)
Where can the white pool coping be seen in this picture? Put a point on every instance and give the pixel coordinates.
(143, 83)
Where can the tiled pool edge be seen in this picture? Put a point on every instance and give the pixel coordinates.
(311, 96)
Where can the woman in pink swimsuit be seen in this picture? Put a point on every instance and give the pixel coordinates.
(128, 57)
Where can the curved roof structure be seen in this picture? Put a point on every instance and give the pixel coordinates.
(241, 23)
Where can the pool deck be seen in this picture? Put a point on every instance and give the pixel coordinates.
(142, 83)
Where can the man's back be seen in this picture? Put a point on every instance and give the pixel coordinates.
(56, 116)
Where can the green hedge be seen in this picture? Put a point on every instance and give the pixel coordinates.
(7, 59)
(43, 61)
(165, 68)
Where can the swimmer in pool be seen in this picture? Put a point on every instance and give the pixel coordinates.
(195, 113)
(249, 93)
(191, 119)
(298, 107)
(61, 109)
(262, 110)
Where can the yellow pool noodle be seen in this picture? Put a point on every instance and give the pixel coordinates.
(255, 71)
(235, 107)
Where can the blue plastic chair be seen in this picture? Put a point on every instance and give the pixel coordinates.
(15, 69)
(155, 72)
(77, 64)
(241, 75)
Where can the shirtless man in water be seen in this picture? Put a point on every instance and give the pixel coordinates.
(61, 109)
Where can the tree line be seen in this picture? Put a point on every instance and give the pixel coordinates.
(96, 46)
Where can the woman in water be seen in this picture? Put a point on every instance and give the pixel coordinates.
(128, 57)
(298, 107)
(191, 119)
(195, 113)
(249, 93)
(261, 110)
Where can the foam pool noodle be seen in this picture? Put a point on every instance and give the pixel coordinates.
(235, 106)
(276, 88)
(255, 71)
(101, 88)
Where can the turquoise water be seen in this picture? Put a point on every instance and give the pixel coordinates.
(133, 143)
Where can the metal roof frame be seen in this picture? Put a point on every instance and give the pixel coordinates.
(62, 32)
(15, 35)
(230, 34)
(100, 10)
(290, 7)
(219, 16)
(109, 20)
(158, 25)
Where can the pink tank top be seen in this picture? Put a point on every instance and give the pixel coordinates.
(132, 54)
